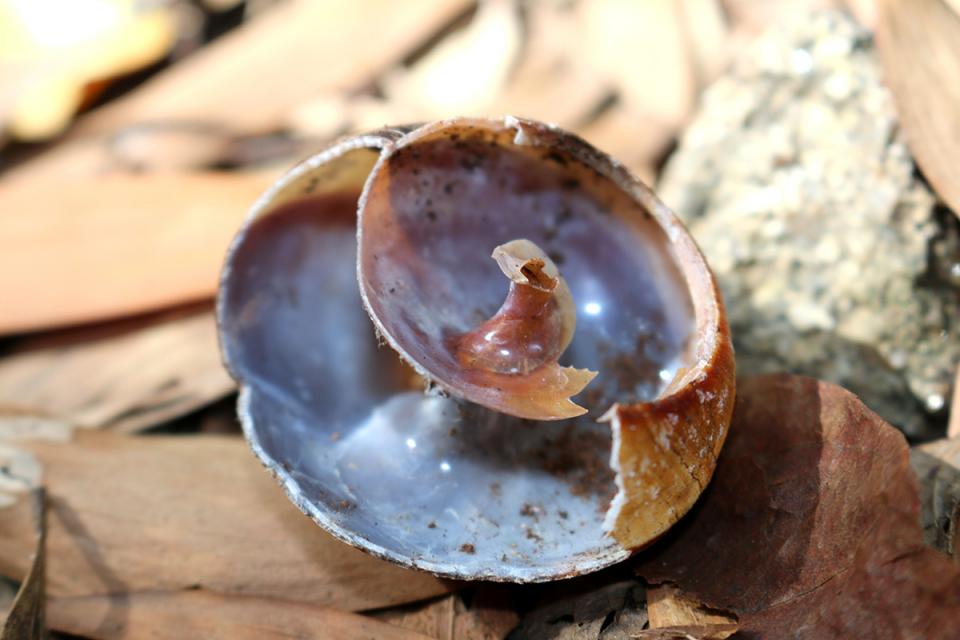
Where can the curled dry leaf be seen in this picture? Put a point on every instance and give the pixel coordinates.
(810, 526)
(121, 507)
(27, 620)
(212, 616)
(919, 43)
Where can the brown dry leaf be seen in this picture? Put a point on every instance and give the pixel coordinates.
(461, 74)
(668, 608)
(919, 45)
(553, 80)
(248, 80)
(707, 37)
(499, 68)
(211, 616)
(638, 143)
(937, 465)
(641, 48)
(81, 250)
(755, 17)
(809, 528)
(124, 376)
(865, 11)
(488, 617)
(132, 515)
(27, 619)
(47, 68)
(433, 619)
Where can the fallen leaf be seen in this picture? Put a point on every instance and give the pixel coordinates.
(809, 528)
(123, 376)
(489, 615)
(294, 51)
(937, 465)
(433, 619)
(641, 48)
(48, 68)
(86, 249)
(463, 72)
(668, 608)
(919, 45)
(211, 616)
(27, 620)
(131, 515)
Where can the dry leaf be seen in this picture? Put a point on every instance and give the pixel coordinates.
(641, 47)
(246, 81)
(668, 608)
(211, 616)
(27, 620)
(132, 515)
(464, 72)
(809, 528)
(552, 80)
(85, 249)
(489, 616)
(937, 465)
(919, 44)
(707, 37)
(123, 376)
(433, 619)
(47, 68)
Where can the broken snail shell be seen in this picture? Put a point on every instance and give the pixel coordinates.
(504, 469)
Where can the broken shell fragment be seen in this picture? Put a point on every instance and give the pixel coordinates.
(607, 312)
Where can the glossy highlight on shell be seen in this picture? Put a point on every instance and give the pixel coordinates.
(585, 374)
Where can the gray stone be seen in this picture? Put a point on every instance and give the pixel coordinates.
(832, 255)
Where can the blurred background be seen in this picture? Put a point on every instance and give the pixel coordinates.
(811, 145)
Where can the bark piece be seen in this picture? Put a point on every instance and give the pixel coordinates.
(810, 526)
(123, 376)
(212, 616)
(136, 514)
(919, 43)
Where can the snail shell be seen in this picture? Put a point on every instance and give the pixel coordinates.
(387, 237)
